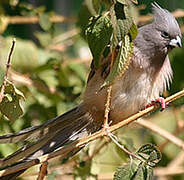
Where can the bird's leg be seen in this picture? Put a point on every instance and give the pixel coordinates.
(159, 100)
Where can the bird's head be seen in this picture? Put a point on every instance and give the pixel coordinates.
(168, 34)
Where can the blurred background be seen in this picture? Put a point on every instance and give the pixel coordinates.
(50, 65)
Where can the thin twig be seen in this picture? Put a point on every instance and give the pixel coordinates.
(109, 91)
(63, 151)
(177, 161)
(161, 132)
(60, 19)
(177, 131)
(107, 108)
(115, 140)
(43, 171)
(9, 58)
(7, 70)
(19, 167)
(36, 19)
(168, 171)
(146, 18)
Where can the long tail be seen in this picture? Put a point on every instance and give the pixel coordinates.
(72, 125)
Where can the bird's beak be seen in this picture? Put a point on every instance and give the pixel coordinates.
(176, 42)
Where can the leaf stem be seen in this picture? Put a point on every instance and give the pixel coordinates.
(7, 70)
(115, 140)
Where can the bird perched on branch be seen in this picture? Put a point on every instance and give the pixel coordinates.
(148, 75)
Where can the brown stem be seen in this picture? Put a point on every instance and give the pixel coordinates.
(9, 58)
(7, 70)
(63, 151)
(161, 132)
(109, 91)
(43, 171)
(36, 19)
(115, 140)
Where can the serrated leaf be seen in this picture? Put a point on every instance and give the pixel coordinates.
(143, 172)
(125, 172)
(121, 21)
(98, 35)
(45, 21)
(150, 153)
(121, 63)
(133, 31)
(10, 105)
(134, 171)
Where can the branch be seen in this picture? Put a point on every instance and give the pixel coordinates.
(115, 140)
(36, 19)
(60, 19)
(108, 100)
(168, 171)
(177, 131)
(161, 132)
(43, 171)
(177, 14)
(7, 70)
(63, 151)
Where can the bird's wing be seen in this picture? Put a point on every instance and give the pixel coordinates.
(104, 65)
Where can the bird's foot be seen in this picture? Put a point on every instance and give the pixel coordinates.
(159, 100)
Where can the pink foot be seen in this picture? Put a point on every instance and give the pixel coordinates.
(162, 102)
(159, 100)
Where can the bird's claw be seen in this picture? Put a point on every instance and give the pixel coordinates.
(159, 100)
(162, 102)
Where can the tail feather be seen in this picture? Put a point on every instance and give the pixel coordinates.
(36, 132)
(64, 129)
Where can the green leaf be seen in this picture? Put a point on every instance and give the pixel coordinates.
(150, 153)
(134, 171)
(98, 35)
(133, 31)
(140, 170)
(83, 19)
(121, 63)
(122, 22)
(10, 105)
(45, 21)
(143, 172)
(125, 172)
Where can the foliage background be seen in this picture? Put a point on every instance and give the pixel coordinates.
(50, 65)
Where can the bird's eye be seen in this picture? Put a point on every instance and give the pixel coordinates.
(165, 34)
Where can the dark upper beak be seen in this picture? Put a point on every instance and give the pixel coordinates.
(176, 42)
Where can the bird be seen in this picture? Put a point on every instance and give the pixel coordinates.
(147, 77)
